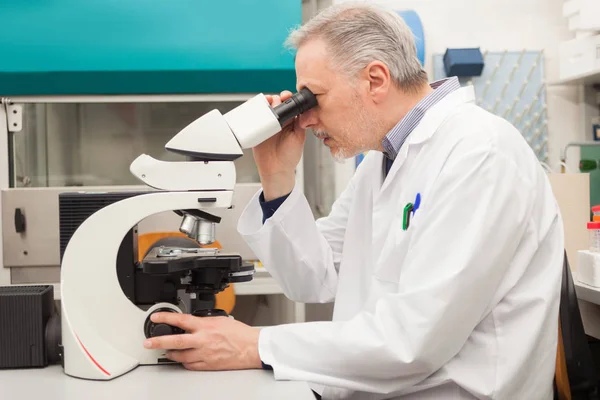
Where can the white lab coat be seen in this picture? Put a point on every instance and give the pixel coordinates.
(463, 304)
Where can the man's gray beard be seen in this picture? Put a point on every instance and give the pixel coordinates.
(340, 157)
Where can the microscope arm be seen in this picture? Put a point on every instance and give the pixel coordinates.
(102, 329)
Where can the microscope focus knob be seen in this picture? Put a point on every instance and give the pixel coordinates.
(163, 329)
(152, 329)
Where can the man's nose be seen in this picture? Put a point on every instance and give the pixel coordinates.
(307, 119)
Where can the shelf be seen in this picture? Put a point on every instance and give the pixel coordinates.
(589, 78)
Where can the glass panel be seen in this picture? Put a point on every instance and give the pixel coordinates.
(94, 143)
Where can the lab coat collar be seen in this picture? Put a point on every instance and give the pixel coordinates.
(428, 126)
(434, 117)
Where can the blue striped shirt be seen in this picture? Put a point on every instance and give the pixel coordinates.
(396, 137)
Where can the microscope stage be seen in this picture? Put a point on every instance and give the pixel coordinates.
(172, 260)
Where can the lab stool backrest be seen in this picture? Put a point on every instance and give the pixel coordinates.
(576, 377)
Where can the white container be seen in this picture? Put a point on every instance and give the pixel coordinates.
(579, 57)
(588, 268)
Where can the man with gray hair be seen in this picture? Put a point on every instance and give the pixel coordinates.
(443, 255)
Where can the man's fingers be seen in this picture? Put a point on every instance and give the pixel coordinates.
(171, 342)
(276, 101)
(286, 94)
(186, 322)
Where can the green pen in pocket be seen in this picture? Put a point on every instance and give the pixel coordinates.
(406, 218)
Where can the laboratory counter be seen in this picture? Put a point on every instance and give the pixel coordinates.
(151, 382)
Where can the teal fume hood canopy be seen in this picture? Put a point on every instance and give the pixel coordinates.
(110, 47)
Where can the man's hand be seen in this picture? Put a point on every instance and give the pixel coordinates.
(277, 157)
(212, 343)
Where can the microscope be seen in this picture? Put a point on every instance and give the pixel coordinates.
(107, 294)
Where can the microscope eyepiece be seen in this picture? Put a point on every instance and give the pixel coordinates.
(300, 102)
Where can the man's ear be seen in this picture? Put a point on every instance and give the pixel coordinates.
(379, 78)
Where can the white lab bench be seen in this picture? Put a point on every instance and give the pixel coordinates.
(150, 382)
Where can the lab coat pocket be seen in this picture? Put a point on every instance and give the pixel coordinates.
(393, 252)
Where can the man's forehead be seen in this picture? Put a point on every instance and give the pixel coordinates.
(312, 66)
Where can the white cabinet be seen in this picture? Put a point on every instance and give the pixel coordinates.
(583, 15)
(580, 60)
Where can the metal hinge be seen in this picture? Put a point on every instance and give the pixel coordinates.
(14, 115)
